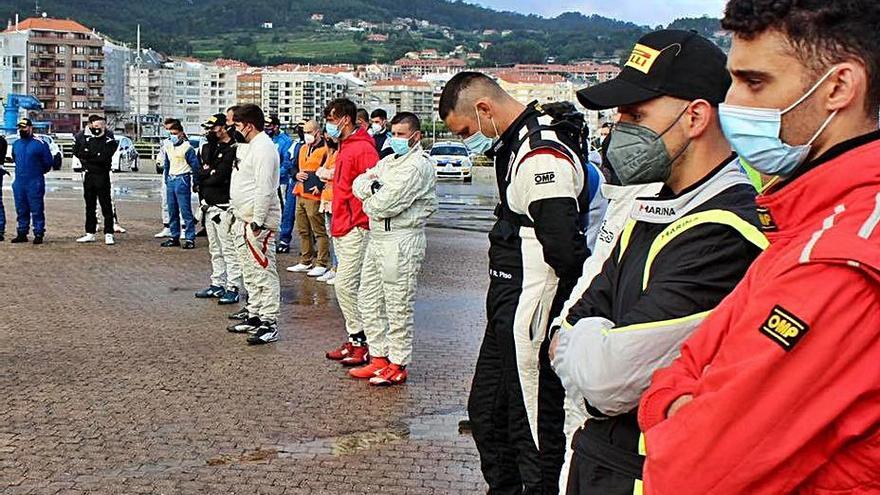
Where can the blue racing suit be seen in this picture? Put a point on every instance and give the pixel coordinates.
(287, 214)
(32, 161)
(179, 189)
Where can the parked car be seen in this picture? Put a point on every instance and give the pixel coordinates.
(452, 160)
(195, 141)
(125, 159)
(54, 148)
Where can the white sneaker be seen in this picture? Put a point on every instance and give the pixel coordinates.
(325, 276)
(299, 268)
(331, 280)
(119, 229)
(108, 239)
(329, 277)
(317, 271)
(87, 238)
(166, 232)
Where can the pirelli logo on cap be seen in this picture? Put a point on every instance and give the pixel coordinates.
(784, 328)
(642, 58)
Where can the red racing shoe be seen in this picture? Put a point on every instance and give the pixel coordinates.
(377, 364)
(393, 374)
(341, 353)
(359, 355)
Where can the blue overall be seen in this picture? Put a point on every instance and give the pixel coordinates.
(2, 209)
(287, 215)
(178, 189)
(32, 161)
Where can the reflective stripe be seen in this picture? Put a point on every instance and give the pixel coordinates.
(657, 324)
(624, 237)
(826, 224)
(638, 487)
(723, 217)
(872, 221)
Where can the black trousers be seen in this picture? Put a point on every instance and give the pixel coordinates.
(606, 459)
(516, 400)
(96, 189)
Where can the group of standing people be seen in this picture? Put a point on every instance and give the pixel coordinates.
(713, 338)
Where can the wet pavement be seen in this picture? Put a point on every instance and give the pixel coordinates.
(114, 379)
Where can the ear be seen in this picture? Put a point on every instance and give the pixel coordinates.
(483, 105)
(698, 117)
(847, 83)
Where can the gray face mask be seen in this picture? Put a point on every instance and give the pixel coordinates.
(637, 154)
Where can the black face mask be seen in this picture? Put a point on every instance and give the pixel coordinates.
(236, 136)
(96, 131)
(212, 137)
(24, 134)
(333, 145)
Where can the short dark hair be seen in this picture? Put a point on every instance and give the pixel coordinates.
(94, 118)
(175, 126)
(233, 108)
(379, 112)
(408, 118)
(249, 114)
(449, 98)
(341, 107)
(363, 115)
(171, 120)
(822, 33)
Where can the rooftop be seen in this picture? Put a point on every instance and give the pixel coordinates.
(49, 24)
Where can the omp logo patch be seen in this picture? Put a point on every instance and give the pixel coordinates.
(545, 178)
(766, 220)
(642, 58)
(784, 328)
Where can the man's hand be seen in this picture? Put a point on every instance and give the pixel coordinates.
(195, 188)
(302, 176)
(315, 191)
(678, 404)
(553, 344)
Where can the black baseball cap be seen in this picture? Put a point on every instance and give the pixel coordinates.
(213, 120)
(273, 120)
(25, 122)
(670, 62)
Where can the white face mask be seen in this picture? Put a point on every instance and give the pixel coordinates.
(309, 138)
(376, 128)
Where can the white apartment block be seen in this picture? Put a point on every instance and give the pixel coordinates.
(294, 96)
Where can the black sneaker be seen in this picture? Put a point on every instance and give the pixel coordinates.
(171, 243)
(282, 248)
(251, 324)
(189, 245)
(38, 239)
(230, 296)
(265, 334)
(19, 239)
(241, 314)
(202, 233)
(214, 291)
(1, 238)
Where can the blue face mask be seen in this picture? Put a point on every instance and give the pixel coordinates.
(754, 133)
(479, 142)
(333, 130)
(175, 139)
(400, 145)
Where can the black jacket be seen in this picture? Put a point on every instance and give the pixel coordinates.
(216, 172)
(95, 153)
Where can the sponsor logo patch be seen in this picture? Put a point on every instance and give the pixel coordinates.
(766, 220)
(642, 58)
(545, 178)
(784, 328)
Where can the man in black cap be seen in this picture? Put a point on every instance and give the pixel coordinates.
(679, 255)
(215, 176)
(95, 147)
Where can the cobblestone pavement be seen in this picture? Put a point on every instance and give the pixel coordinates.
(114, 379)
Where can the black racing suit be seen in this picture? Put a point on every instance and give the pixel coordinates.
(95, 153)
(217, 159)
(679, 256)
(536, 254)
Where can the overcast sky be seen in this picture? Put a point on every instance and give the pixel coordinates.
(644, 12)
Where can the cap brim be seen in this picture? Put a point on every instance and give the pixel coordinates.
(614, 93)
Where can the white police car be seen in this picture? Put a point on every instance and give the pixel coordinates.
(452, 160)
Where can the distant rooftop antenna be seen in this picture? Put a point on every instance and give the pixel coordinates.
(37, 7)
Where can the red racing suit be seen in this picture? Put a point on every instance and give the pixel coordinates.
(785, 373)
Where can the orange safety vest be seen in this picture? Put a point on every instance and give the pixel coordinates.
(310, 159)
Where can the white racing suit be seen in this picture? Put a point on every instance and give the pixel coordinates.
(620, 204)
(254, 200)
(398, 194)
(225, 263)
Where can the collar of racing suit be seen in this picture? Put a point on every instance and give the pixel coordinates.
(805, 200)
(665, 209)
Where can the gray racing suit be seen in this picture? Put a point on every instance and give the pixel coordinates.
(398, 194)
